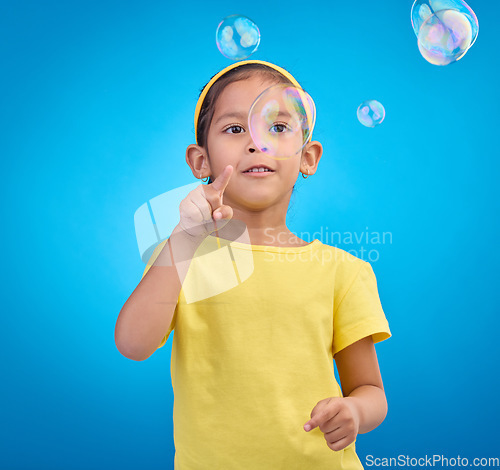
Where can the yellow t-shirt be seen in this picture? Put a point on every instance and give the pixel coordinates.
(253, 353)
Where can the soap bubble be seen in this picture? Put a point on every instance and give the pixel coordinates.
(371, 113)
(446, 29)
(281, 120)
(444, 37)
(423, 9)
(237, 37)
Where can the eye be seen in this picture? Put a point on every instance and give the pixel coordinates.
(235, 129)
(279, 127)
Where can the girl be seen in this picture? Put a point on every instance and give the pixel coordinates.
(257, 324)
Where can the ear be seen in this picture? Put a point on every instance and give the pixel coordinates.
(197, 159)
(311, 156)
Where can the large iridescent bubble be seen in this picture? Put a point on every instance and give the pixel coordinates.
(371, 113)
(444, 37)
(281, 120)
(237, 37)
(423, 9)
(446, 29)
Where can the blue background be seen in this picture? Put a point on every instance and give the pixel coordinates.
(97, 103)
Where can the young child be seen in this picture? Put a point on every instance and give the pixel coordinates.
(252, 358)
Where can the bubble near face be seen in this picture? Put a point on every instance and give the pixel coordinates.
(281, 120)
(446, 29)
(371, 113)
(237, 37)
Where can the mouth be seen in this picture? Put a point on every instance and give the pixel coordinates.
(258, 174)
(259, 168)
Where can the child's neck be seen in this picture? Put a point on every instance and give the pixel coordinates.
(274, 237)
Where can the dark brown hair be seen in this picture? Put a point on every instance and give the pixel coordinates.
(238, 73)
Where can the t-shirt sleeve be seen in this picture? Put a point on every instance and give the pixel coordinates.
(150, 262)
(359, 312)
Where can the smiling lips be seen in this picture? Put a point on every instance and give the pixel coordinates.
(258, 170)
(259, 174)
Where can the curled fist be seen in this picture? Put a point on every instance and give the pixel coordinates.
(338, 419)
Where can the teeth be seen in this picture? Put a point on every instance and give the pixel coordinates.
(259, 170)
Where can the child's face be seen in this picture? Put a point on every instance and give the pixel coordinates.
(229, 143)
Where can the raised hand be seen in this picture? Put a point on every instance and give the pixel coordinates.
(203, 206)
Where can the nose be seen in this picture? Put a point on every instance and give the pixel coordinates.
(251, 146)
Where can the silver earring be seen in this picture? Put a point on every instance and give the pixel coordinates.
(305, 177)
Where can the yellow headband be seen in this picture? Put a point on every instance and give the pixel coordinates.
(201, 99)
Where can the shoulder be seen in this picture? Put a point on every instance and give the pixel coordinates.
(343, 261)
(346, 268)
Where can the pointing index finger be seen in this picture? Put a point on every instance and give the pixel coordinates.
(221, 181)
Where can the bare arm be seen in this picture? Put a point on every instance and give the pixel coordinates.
(147, 314)
(363, 406)
(361, 381)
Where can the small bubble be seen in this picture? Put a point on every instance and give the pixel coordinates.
(370, 113)
(237, 37)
